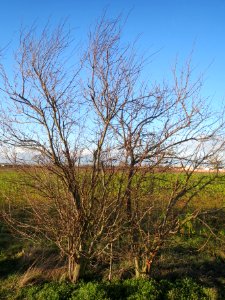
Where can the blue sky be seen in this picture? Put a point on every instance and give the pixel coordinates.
(171, 27)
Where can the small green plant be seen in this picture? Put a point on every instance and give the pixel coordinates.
(89, 291)
(48, 291)
(211, 293)
(142, 289)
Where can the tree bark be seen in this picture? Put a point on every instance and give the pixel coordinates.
(143, 265)
(140, 267)
(76, 268)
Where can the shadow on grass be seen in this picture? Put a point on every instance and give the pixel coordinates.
(180, 261)
(10, 247)
(10, 266)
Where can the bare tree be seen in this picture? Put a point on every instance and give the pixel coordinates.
(99, 136)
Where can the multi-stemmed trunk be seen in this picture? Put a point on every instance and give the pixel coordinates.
(76, 267)
(143, 264)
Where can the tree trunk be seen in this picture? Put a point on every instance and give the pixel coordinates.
(143, 265)
(76, 268)
(140, 267)
(128, 193)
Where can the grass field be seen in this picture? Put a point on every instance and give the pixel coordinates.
(197, 252)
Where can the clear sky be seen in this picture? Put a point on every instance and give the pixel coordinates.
(172, 27)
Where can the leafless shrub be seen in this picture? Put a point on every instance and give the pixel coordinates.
(98, 142)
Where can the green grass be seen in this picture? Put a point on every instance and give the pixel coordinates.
(131, 289)
(194, 252)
